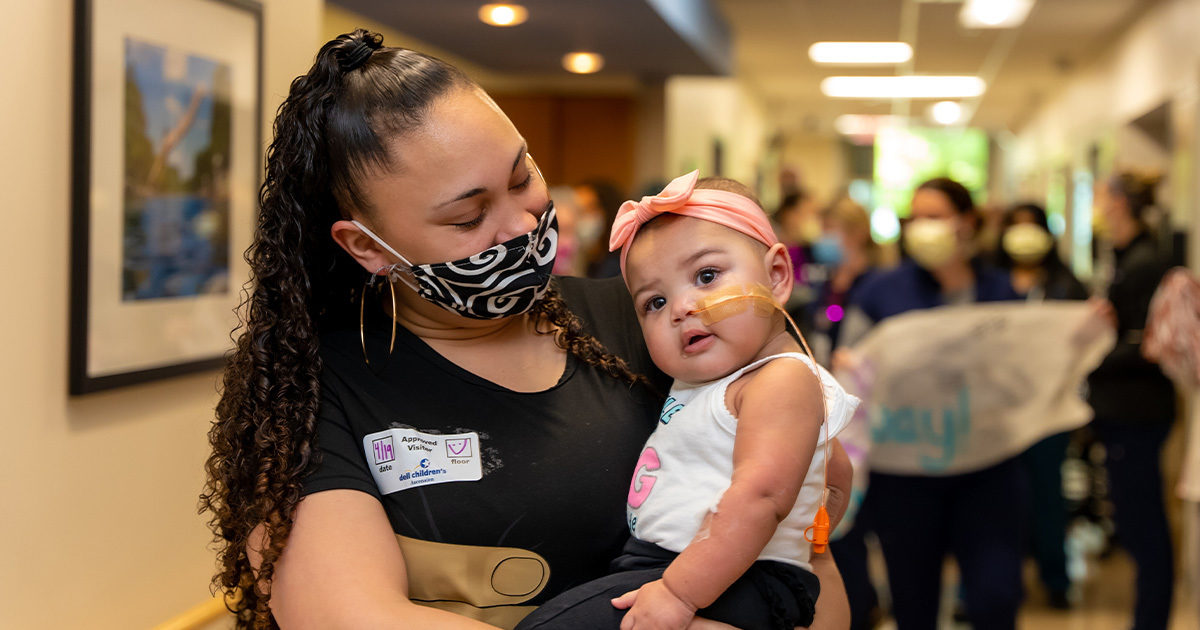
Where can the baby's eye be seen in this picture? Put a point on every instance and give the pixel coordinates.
(706, 275)
(654, 304)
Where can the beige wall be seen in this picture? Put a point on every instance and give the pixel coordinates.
(99, 516)
(702, 110)
(820, 161)
(1156, 60)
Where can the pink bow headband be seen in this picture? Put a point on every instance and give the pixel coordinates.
(681, 197)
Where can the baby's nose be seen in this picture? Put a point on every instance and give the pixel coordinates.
(682, 308)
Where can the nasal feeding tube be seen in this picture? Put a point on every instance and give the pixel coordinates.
(725, 303)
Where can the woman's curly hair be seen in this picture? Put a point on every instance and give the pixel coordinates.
(330, 133)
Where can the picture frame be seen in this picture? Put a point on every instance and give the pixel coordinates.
(166, 165)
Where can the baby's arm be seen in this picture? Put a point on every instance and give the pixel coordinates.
(779, 415)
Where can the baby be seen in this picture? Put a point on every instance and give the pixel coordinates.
(732, 476)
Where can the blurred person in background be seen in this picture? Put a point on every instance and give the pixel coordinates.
(799, 224)
(569, 259)
(847, 250)
(850, 257)
(976, 516)
(1134, 401)
(1027, 251)
(598, 202)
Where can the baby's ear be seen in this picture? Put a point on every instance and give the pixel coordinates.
(778, 264)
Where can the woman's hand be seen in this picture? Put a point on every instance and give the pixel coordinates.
(840, 482)
(1104, 310)
(844, 360)
(833, 606)
(654, 607)
(1101, 319)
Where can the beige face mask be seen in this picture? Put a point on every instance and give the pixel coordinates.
(930, 242)
(1027, 243)
(725, 303)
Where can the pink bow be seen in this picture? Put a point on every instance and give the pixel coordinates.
(681, 197)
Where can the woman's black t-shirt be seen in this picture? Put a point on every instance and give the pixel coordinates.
(555, 465)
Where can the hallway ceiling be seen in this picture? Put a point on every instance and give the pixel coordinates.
(634, 37)
(1059, 37)
(770, 40)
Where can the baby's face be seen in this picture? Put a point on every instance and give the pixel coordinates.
(674, 263)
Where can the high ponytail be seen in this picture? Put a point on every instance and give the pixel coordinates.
(329, 132)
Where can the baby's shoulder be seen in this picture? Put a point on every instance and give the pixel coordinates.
(784, 381)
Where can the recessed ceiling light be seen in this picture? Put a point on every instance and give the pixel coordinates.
(583, 62)
(994, 13)
(503, 14)
(945, 112)
(913, 86)
(872, 53)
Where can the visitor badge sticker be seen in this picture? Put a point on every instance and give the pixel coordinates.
(406, 458)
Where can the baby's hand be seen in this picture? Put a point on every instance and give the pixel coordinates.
(654, 607)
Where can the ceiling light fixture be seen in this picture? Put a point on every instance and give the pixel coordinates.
(913, 86)
(503, 14)
(859, 53)
(994, 13)
(583, 62)
(945, 112)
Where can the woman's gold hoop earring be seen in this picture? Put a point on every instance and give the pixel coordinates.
(362, 308)
(535, 167)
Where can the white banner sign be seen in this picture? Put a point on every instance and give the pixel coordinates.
(955, 389)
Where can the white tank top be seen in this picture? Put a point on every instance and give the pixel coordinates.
(687, 464)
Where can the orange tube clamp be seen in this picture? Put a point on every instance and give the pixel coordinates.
(818, 532)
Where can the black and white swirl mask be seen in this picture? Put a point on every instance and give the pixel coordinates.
(503, 280)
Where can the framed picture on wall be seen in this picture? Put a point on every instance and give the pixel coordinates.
(165, 174)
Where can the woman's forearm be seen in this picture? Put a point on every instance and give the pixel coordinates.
(398, 614)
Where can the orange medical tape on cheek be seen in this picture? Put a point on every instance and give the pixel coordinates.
(725, 303)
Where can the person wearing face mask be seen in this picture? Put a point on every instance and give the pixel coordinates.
(420, 427)
(568, 260)
(800, 227)
(598, 200)
(851, 258)
(1027, 252)
(1134, 401)
(975, 516)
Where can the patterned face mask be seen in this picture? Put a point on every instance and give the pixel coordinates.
(500, 281)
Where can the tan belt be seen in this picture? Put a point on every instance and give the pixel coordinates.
(484, 583)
